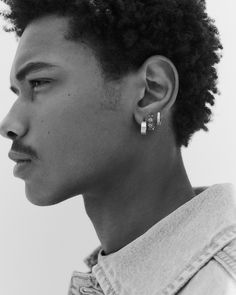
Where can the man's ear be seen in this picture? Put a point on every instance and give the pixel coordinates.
(160, 85)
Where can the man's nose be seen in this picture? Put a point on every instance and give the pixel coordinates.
(13, 127)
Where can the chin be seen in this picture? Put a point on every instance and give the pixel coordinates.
(40, 197)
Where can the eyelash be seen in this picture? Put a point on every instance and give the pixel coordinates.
(41, 83)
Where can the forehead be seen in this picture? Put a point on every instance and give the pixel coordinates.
(44, 41)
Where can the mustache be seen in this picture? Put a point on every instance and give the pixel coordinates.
(17, 146)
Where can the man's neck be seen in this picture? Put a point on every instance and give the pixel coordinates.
(137, 202)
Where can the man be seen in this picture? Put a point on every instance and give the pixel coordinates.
(107, 94)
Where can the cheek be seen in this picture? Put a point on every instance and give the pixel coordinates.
(78, 136)
(59, 135)
(70, 133)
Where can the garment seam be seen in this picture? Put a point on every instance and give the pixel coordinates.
(107, 280)
(225, 261)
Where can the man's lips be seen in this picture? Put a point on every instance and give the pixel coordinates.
(19, 157)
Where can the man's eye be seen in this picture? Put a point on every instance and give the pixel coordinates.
(35, 84)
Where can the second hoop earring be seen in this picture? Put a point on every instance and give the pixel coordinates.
(158, 118)
(150, 122)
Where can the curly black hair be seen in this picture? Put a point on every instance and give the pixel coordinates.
(124, 33)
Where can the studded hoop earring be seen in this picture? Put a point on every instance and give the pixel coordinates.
(150, 122)
(158, 119)
(144, 128)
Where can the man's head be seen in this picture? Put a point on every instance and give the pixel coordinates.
(88, 72)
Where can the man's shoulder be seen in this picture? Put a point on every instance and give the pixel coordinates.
(217, 277)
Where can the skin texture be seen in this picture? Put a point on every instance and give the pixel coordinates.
(86, 134)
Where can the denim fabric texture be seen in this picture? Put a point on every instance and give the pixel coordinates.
(191, 251)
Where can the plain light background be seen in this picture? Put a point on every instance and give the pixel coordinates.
(41, 246)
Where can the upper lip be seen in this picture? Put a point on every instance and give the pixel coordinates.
(16, 156)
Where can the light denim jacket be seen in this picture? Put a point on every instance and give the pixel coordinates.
(192, 251)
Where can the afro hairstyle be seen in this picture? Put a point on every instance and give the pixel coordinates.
(124, 33)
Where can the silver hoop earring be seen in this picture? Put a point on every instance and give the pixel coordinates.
(158, 118)
(144, 128)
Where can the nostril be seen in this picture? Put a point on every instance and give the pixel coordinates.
(11, 135)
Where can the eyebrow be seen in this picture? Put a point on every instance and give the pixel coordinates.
(31, 67)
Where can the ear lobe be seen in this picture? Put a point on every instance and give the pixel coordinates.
(161, 87)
